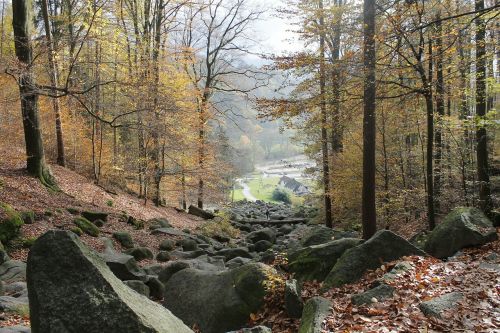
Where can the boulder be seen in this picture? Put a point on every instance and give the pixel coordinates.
(124, 239)
(379, 293)
(13, 271)
(87, 297)
(188, 244)
(3, 254)
(167, 245)
(315, 311)
(193, 210)
(10, 223)
(384, 246)
(14, 304)
(237, 262)
(262, 246)
(256, 329)
(123, 266)
(94, 216)
(230, 253)
(317, 235)
(170, 269)
(266, 234)
(293, 299)
(138, 286)
(461, 228)
(86, 226)
(436, 306)
(158, 222)
(156, 288)
(163, 256)
(316, 261)
(140, 253)
(217, 302)
(399, 269)
(15, 329)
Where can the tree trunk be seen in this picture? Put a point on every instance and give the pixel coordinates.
(35, 161)
(481, 136)
(324, 134)
(53, 73)
(440, 115)
(369, 213)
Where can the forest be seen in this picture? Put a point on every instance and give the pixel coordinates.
(223, 166)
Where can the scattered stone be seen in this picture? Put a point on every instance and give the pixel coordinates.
(217, 302)
(167, 245)
(436, 306)
(17, 289)
(193, 210)
(170, 269)
(377, 294)
(86, 290)
(158, 222)
(316, 261)
(163, 256)
(463, 227)
(317, 235)
(123, 266)
(94, 216)
(262, 246)
(256, 329)
(237, 262)
(10, 223)
(384, 246)
(156, 288)
(137, 224)
(230, 253)
(13, 271)
(3, 254)
(86, 226)
(315, 311)
(14, 304)
(489, 266)
(140, 253)
(15, 329)
(266, 234)
(28, 217)
(188, 244)
(285, 229)
(138, 286)
(153, 269)
(124, 239)
(293, 300)
(398, 269)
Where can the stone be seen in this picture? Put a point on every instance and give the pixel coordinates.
(15, 329)
(384, 246)
(398, 269)
(463, 227)
(230, 253)
(237, 262)
(156, 288)
(138, 286)
(217, 302)
(317, 235)
(188, 244)
(163, 256)
(86, 226)
(140, 253)
(158, 222)
(153, 269)
(3, 254)
(170, 269)
(379, 293)
(436, 306)
(16, 289)
(315, 311)
(13, 271)
(266, 234)
(167, 245)
(262, 246)
(186, 255)
(123, 266)
(285, 229)
(169, 231)
(28, 217)
(124, 239)
(316, 261)
(10, 223)
(94, 216)
(293, 299)
(14, 304)
(87, 296)
(193, 210)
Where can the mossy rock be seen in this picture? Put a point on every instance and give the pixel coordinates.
(28, 242)
(86, 226)
(137, 224)
(140, 253)
(73, 211)
(10, 223)
(3, 255)
(93, 216)
(77, 231)
(315, 311)
(124, 239)
(28, 217)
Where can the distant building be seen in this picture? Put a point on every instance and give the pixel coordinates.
(293, 185)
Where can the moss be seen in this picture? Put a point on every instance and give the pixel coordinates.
(219, 227)
(137, 224)
(28, 242)
(10, 223)
(109, 203)
(22, 310)
(28, 217)
(77, 231)
(73, 211)
(86, 226)
(92, 216)
(48, 213)
(124, 239)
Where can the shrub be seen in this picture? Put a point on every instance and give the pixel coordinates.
(109, 203)
(282, 195)
(86, 226)
(10, 223)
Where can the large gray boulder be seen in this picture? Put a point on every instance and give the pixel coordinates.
(72, 290)
(266, 234)
(315, 311)
(316, 261)
(463, 227)
(123, 266)
(217, 302)
(13, 271)
(384, 246)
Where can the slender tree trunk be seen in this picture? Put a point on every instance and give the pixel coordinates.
(481, 135)
(35, 161)
(201, 150)
(440, 114)
(2, 37)
(369, 214)
(324, 118)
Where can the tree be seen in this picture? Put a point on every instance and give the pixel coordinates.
(35, 161)
(369, 214)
